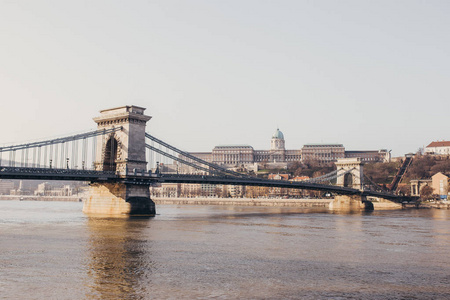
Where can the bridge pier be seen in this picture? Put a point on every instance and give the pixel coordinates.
(119, 152)
(119, 199)
(351, 202)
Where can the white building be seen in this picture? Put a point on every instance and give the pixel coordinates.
(6, 186)
(438, 148)
(46, 189)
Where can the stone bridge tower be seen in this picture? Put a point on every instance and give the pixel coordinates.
(120, 152)
(350, 173)
(124, 149)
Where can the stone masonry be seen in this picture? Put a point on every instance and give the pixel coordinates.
(121, 152)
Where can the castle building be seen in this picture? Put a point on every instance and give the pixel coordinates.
(277, 157)
(323, 153)
(277, 149)
(245, 155)
(382, 155)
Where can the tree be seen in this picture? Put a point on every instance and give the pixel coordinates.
(264, 164)
(217, 191)
(442, 166)
(421, 167)
(381, 173)
(404, 190)
(308, 168)
(426, 192)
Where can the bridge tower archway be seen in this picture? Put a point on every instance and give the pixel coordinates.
(124, 149)
(350, 173)
(110, 155)
(348, 180)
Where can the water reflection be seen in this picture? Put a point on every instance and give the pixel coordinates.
(53, 251)
(119, 258)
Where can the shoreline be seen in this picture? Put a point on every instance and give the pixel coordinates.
(279, 202)
(381, 204)
(273, 202)
(41, 198)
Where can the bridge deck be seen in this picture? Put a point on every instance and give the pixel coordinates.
(145, 178)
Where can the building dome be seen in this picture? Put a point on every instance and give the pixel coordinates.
(278, 135)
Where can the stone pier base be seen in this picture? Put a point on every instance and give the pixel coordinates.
(119, 199)
(351, 202)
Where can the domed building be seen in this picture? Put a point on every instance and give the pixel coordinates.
(277, 142)
(244, 155)
(277, 149)
(238, 156)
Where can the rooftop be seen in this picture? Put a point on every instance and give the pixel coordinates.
(439, 144)
(323, 145)
(234, 146)
(278, 135)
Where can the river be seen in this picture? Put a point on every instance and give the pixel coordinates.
(51, 250)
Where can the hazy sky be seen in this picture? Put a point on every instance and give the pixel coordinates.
(367, 74)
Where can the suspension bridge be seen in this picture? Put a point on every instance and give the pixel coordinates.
(121, 160)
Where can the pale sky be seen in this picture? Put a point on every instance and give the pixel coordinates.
(367, 74)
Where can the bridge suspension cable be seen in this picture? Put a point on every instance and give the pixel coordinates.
(176, 158)
(62, 152)
(374, 185)
(326, 177)
(329, 176)
(215, 167)
(59, 140)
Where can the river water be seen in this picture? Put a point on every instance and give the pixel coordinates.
(51, 250)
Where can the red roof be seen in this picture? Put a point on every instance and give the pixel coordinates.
(439, 144)
(300, 178)
(281, 176)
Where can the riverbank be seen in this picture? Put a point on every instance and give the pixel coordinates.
(437, 205)
(42, 198)
(272, 202)
(379, 204)
(279, 202)
(383, 204)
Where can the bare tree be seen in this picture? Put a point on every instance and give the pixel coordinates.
(426, 192)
